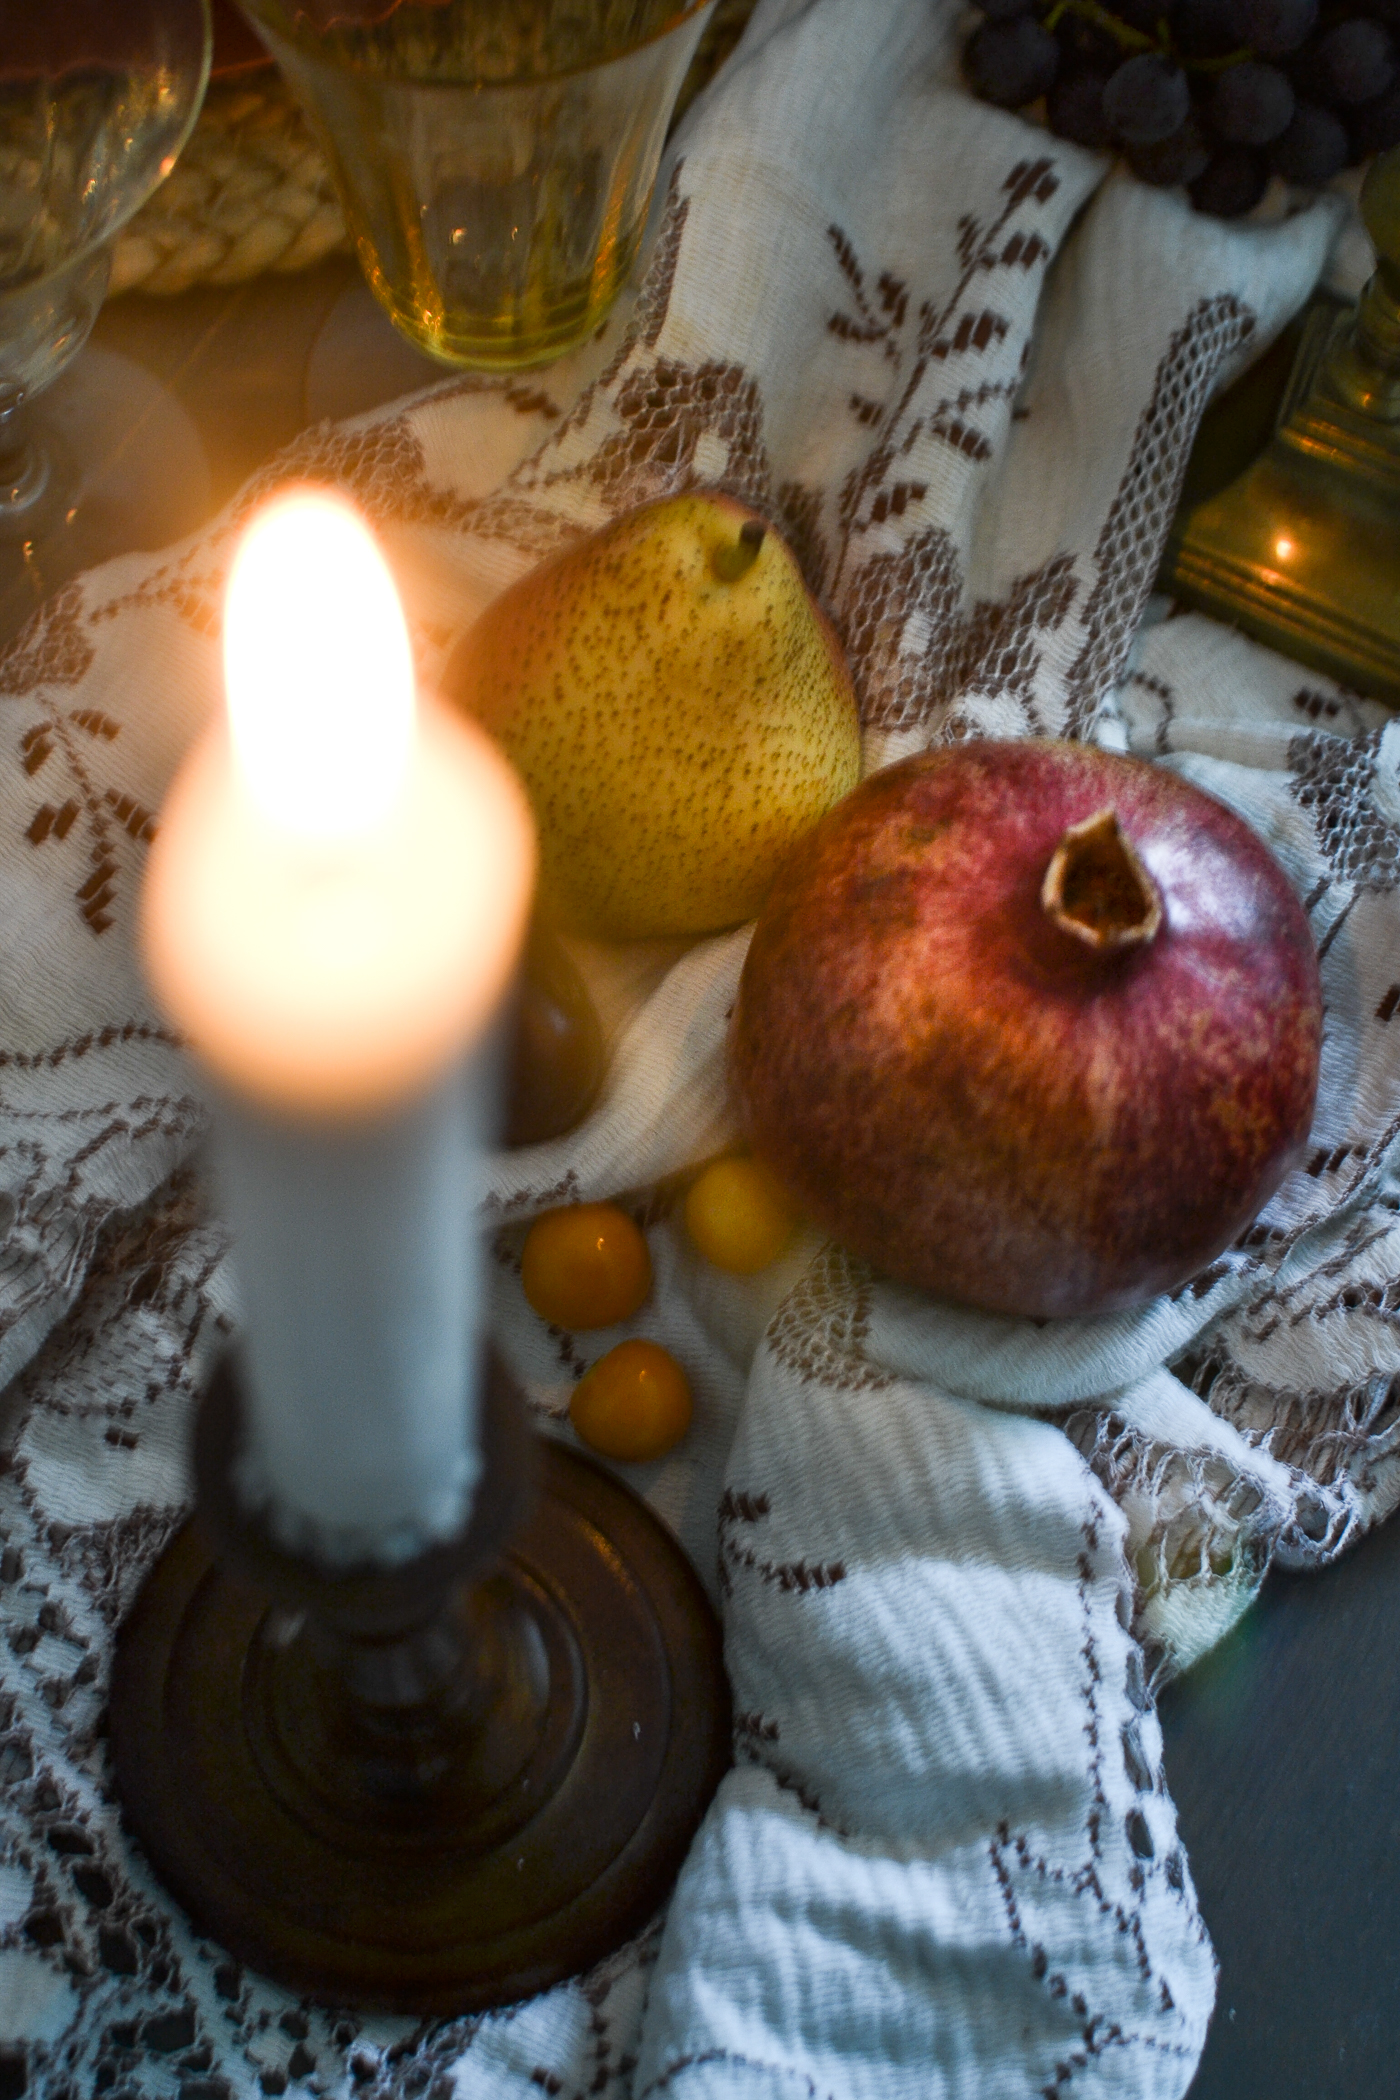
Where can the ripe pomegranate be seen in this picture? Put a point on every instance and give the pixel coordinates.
(1030, 1025)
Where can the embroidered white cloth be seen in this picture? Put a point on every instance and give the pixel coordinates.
(961, 363)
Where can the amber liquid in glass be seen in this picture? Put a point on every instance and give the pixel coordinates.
(495, 158)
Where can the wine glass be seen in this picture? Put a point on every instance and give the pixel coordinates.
(495, 158)
(97, 97)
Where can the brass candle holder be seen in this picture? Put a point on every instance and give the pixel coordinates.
(433, 1788)
(1302, 549)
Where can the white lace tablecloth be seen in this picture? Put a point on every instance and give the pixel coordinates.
(961, 363)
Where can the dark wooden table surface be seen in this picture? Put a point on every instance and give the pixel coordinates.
(1283, 1754)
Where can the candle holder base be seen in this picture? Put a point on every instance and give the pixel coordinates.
(427, 1789)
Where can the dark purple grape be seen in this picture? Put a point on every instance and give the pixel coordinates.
(1374, 126)
(1147, 99)
(1172, 161)
(1354, 62)
(1250, 103)
(1087, 46)
(1204, 28)
(1074, 109)
(1232, 183)
(1142, 15)
(1273, 27)
(1011, 63)
(1005, 10)
(1313, 147)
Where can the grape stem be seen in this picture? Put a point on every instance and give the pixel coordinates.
(1219, 65)
(1129, 39)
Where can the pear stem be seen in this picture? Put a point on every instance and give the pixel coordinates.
(731, 562)
(1097, 889)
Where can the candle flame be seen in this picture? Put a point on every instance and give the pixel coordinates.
(318, 671)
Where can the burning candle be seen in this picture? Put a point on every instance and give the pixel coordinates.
(334, 905)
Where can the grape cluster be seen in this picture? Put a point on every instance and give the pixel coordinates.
(1215, 94)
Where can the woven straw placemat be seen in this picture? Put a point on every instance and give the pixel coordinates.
(252, 191)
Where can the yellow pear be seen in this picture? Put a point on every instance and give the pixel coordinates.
(679, 708)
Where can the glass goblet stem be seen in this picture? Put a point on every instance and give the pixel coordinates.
(24, 465)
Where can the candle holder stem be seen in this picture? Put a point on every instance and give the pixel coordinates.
(431, 1788)
(455, 1706)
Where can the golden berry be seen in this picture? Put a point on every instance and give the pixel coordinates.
(738, 1216)
(634, 1404)
(586, 1266)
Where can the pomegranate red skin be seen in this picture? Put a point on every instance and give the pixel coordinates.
(976, 1101)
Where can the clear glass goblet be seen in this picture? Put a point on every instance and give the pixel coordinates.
(495, 158)
(97, 97)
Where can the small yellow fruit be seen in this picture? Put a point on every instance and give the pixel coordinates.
(634, 1404)
(738, 1216)
(586, 1266)
(679, 708)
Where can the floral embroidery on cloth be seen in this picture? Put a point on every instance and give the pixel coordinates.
(962, 369)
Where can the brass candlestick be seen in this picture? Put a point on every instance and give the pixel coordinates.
(434, 1788)
(1302, 550)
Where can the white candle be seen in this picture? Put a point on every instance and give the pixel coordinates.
(334, 905)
